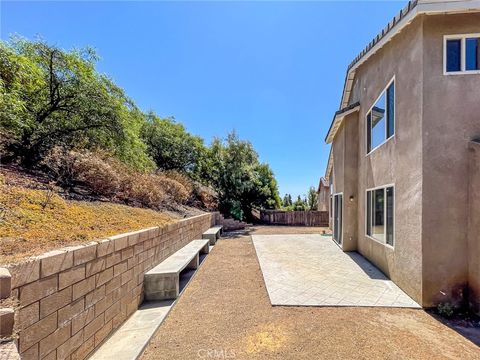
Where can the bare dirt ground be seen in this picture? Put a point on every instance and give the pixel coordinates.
(225, 313)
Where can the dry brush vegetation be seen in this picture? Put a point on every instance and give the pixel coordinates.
(64, 122)
(36, 220)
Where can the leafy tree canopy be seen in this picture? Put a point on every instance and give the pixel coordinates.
(299, 204)
(242, 181)
(171, 146)
(50, 98)
(312, 198)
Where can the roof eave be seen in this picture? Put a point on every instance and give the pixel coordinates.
(329, 165)
(393, 28)
(337, 120)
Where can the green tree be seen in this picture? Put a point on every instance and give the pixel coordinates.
(241, 180)
(287, 200)
(171, 146)
(51, 97)
(312, 198)
(264, 192)
(299, 204)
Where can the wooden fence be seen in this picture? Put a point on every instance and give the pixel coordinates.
(294, 218)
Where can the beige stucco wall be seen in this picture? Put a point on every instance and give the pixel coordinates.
(338, 149)
(323, 199)
(436, 255)
(345, 150)
(399, 160)
(474, 227)
(451, 118)
(350, 186)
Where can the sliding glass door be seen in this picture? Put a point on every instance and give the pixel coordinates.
(337, 217)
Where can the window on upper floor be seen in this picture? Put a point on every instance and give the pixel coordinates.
(381, 119)
(461, 54)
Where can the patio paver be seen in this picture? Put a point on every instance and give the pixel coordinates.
(225, 313)
(311, 270)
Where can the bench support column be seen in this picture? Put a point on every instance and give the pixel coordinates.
(205, 249)
(193, 265)
(162, 287)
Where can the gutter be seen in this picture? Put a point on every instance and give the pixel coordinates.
(397, 24)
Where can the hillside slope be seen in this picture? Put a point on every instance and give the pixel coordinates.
(35, 218)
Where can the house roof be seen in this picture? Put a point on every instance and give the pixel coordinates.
(323, 182)
(338, 118)
(386, 30)
(329, 165)
(399, 22)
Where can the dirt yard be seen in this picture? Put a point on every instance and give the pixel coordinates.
(225, 313)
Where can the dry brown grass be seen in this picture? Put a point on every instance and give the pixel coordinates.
(104, 175)
(34, 221)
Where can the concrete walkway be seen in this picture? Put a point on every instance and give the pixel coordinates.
(134, 335)
(311, 270)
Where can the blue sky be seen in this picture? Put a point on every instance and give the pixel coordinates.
(273, 71)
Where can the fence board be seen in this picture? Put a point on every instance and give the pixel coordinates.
(294, 218)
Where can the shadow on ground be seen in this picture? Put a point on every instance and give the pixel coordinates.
(466, 325)
(368, 268)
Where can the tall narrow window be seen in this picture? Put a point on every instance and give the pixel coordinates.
(369, 133)
(391, 110)
(330, 210)
(462, 54)
(378, 122)
(369, 213)
(389, 212)
(380, 214)
(472, 57)
(381, 119)
(454, 55)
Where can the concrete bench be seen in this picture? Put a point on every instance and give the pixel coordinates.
(213, 234)
(163, 281)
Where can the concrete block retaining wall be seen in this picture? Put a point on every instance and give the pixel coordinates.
(71, 300)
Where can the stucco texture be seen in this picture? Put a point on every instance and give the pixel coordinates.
(435, 257)
(398, 161)
(474, 227)
(451, 118)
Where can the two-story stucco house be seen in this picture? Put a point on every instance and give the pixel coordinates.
(405, 161)
(323, 195)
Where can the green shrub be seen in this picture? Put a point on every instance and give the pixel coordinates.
(52, 97)
(242, 181)
(446, 309)
(108, 177)
(59, 112)
(171, 146)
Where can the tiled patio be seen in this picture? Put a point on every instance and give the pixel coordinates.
(311, 270)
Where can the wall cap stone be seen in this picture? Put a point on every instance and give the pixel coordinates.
(7, 316)
(58, 283)
(5, 283)
(55, 261)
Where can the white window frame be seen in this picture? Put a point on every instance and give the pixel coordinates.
(384, 91)
(463, 62)
(385, 215)
(333, 218)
